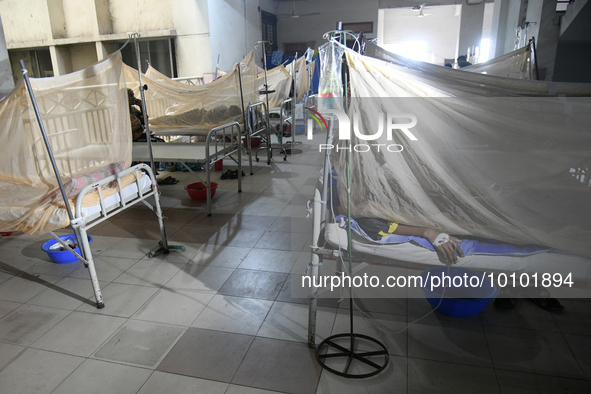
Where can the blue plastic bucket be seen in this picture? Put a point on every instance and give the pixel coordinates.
(469, 294)
(62, 256)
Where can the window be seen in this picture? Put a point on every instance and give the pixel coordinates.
(37, 62)
(366, 27)
(269, 26)
(290, 48)
(159, 53)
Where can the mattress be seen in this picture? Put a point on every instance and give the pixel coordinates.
(49, 217)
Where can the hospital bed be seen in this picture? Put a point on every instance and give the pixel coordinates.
(220, 142)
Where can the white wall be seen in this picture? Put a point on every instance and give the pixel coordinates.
(80, 17)
(440, 29)
(235, 27)
(312, 28)
(193, 39)
(30, 13)
(140, 15)
(6, 80)
(82, 56)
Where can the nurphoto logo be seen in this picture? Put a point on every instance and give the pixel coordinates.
(388, 123)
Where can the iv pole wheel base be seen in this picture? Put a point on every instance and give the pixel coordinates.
(372, 361)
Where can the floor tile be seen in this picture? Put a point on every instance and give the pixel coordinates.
(264, 209)
(131, 248)
(8, 352)
(178, 307)
(581, 347)
(37, 372)
(234, 314)
(222, 256)
(269, 260)
(294, 242)
(235, 389)
(50, 268)
(200, 278)
(107, 268)
(149, 273)
(139, 343)
(290, 322)
(393, 379)
(161, 382)
(527, 383)
(79, 334)
(98, 377)
(254, 284)
(388, 329)
(426, 376)
(23, 287)
(68, 293)
(291, 225)
(525, 314)
(13, 260)
(8, 306)
(149, 230)
(574, 318)
(282, 366)
(300, 295)
(220, 354)
(177, 256)
(451, 341)
(533, 351)
(121, 300)
(393, 306)
(27, 323)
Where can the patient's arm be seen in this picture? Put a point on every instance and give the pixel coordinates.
(447, 252)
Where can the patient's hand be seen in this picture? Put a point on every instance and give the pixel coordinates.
(448, 252)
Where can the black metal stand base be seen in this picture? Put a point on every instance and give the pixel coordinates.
(345, 344)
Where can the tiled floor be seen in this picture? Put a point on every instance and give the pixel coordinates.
(219, 317)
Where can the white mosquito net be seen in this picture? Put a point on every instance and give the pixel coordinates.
(172, 105)
(517, 64)
(86, 118)
(486, 161)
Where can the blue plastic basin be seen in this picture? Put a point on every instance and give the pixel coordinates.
(62, 256)
(462, 301)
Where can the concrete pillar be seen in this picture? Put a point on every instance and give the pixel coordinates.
(60, 60)
(6, 79)
(547, 39)
(507, 15)
(470, 27)
(104, 49)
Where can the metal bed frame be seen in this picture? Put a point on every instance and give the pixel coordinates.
(221, 142)
(79, 223)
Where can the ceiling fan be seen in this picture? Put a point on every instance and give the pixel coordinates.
(296, 15)
(420, 8)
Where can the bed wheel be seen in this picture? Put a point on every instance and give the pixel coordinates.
(269, 162)
(285, 159)
(257, 158)
(100, 305)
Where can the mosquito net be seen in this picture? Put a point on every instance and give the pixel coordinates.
(279, 81)
(516, 64)
(172, 105)
(303, 80)
(464, 158)
(86, 118)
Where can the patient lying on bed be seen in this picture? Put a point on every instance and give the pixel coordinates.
(448, 250)
(446, 246)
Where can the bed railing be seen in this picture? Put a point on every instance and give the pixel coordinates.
(122, 202)
(230, 138)
(71, 132)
